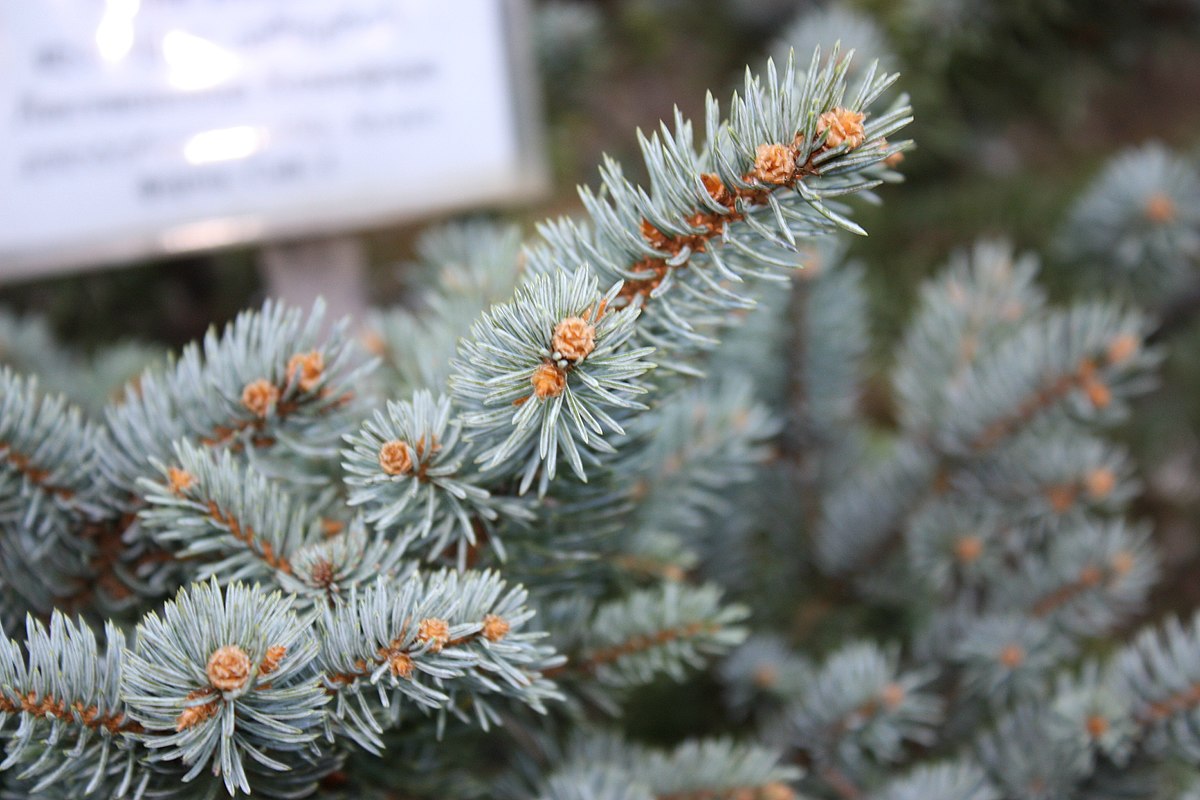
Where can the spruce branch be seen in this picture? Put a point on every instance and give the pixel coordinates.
(266, 382)
(223, 677)
(209, 506)
(28, 347)
(233, 523)
(48, 461)
(761, 672)
(1026, 756)
(430, 640)
(1136, 228)
(1028, 370)
(267, 388)
(1009, 656)
(976, 303)
(65, 692)
(1093, 701)
(603, 767)
(1091, 578)
(701, 443)
(411, 471)
(1052, 471)
(593, 783)
(234, 689)
(860, 515)
(325, 570)
(1082, 573)
(960, 780)
(528, 391)
(733, 208)
(956, 546)
(829, 348)
(860, 706)
(653, 631)
(1085, 360)
(1159, 669)
(51, 490)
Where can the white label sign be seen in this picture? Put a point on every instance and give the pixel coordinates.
(135, 127)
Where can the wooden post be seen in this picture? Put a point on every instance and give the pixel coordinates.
(334, 268)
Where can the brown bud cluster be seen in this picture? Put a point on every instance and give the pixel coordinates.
(271, 660)
(434, 632)
(766, 676)
(1122, 348)
(180, 480)
(1098, 393)
(1090, 575)
(774, 163)
(968, 549)
(574, 338)
(495, 628)
(228, 668)
(1096, 726)
(1100, 482)
(716, 188)
(309, 366)
(373, 342)
(322, 574)
(548, 381)
(395, 458)
(892, 695)
(401, 665)
(776, 790)
(1012, 656)
(194, 715)
(1061, 498)
(260, 396)
(841, 125)
(1160, 209)
(1121, 563)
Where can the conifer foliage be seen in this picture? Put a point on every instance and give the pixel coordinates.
(306, 560)
(445, 556)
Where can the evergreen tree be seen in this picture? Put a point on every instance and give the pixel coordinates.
(303, 562)
(449, 557)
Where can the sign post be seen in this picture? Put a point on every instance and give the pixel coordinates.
(137, 128)
(333, 267)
